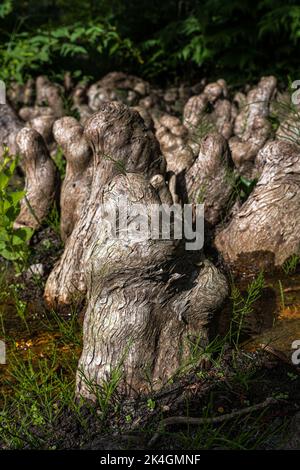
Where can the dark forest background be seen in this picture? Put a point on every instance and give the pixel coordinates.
(161, 40)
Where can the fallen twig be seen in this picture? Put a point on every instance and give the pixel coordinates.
(291, 289)
(216, 420)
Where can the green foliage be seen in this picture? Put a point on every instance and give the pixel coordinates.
(40, 392)
(5, 8)
(241, 186)
(13, 242)
(106, 393)
(53, 219)
(233, 39)
(60, 162)
(28, 53)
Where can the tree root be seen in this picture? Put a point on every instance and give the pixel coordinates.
(216, 420)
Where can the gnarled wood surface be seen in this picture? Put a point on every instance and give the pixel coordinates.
(121, 143)
(251, 127)
(208, 180)
(68, 133)
(269, 221)
(10, 125)
(146, 299)
(41, 179)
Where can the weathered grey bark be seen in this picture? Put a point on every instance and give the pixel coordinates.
(48, 100)
(48, 106)
(173, 139)
(149, 123)
(79, 97)
(68, 133)
(165, 195)
(210, 111)
(21, 95)
(252, 128)
(289, 129)
(146, 299)
(174, 98)
(288, 114)
(117, 86)
(10, 125)
(49, 94)
(121, 143)
(41, 179)
(269, 221)
(43, 125)
(27, 113)
(208, 180)
(143, 308)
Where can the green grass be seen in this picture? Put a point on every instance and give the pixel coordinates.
(242, 305)
(291, 264)
(38, 394)
(14, 243)
(53, 219)
(245, 433)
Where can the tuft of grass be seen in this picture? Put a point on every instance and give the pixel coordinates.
(39, 391)
(68, 328)
(290, 265)
(13, 242)
(60, 162)
(205, 126)
(285, 117)
(106, 394)
(242, 306)
(53, 219)
(241, 186)
(282, 296)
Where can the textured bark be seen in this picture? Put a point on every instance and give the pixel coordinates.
(175, 98)
(287, 114)
(10, 125)
(210, 111)
(289, 129)
(117, 86)
(121, 143)
(32, 112)
(146, 116)
(21, 95)
(269, 221)
(252, 127)
(49, 94)
(207, 181)
(173, 139)
(41, 179)
(159, 183)
(146, 299)
(43, 125)
(68, 133)
(79, 97)
(47, 108)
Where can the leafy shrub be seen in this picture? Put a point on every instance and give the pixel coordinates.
(13, 242)
(237, 40)
(27, 53)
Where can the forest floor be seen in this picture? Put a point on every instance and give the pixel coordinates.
(243, 397)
